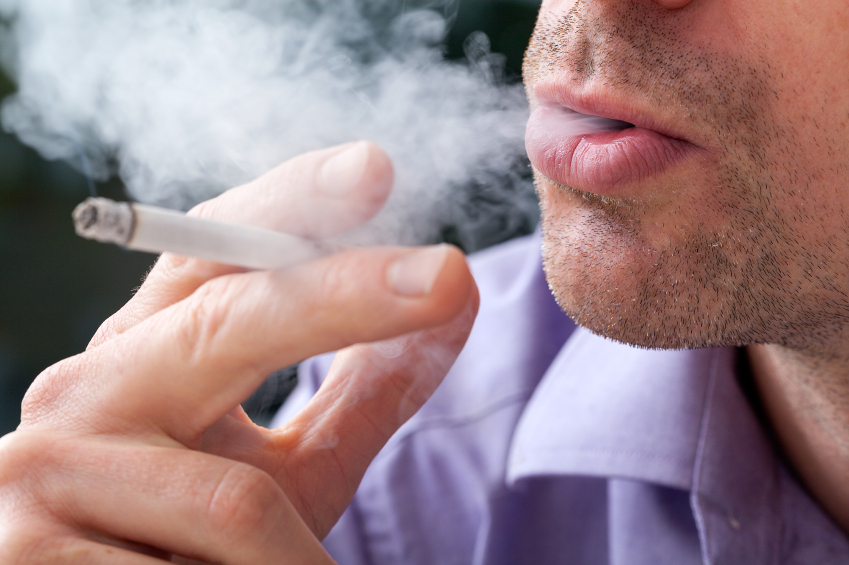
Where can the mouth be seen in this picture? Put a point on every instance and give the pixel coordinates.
(598, 147)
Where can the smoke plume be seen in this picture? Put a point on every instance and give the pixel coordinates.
(184, 99)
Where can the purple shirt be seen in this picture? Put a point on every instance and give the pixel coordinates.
(548, 444)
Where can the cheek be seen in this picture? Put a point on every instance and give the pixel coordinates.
(816, 219)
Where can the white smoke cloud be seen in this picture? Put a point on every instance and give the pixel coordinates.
(184, 99)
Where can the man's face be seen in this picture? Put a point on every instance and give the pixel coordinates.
(721, 218)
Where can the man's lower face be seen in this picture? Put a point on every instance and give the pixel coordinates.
(719, 219)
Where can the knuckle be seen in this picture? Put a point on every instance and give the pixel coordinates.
(243, 503)
(52, 388)
(20, 459)
(168, 272)
(13, 446)
(336, 280)
(334, 293)
(108, 329)
(23, 546)
(207, 318)
(21, 453)
(334, 288)
(18, 546)
(42, 393)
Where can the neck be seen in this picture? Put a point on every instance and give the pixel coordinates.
(806, 397)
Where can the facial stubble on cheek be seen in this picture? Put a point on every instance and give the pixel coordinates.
(723, 275)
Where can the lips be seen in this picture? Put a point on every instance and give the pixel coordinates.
(609, 163)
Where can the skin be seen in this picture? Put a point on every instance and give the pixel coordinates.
(742, 243)
(148, 418)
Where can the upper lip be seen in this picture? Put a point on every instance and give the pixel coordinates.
(605, 104)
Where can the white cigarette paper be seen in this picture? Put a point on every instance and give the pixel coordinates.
(157, 230)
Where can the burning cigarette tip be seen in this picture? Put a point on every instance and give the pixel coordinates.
(104, 220)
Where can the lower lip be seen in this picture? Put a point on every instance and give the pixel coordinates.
(608, 163)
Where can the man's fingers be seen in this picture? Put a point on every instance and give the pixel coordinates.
(318, 194)
(320, 456)
(161, 500)
(34, 548)
(371, 390)
(189, 365)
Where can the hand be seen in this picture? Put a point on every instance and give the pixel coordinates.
(137, 450)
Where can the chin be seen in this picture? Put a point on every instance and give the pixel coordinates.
(618, 278)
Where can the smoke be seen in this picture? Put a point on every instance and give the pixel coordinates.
(184, 99)
(571, 123)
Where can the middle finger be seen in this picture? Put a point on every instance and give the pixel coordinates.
(318, 194)
(186, 367)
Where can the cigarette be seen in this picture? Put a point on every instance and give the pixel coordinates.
(157, 230)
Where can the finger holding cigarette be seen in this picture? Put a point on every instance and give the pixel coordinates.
(317, 195)
(149, 420)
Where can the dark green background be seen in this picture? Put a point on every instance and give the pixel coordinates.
(56, 289)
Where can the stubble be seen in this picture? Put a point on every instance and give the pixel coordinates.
(735, 265)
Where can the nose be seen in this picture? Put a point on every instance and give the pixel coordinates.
(673, 4)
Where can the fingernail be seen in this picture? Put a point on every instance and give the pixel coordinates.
(342, 172)
(415, 273)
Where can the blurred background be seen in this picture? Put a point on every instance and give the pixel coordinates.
(56, 288)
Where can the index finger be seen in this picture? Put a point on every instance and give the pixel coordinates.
(184, 368)
(318, 194)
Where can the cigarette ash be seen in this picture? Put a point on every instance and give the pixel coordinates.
(104, 220)
(185, 99)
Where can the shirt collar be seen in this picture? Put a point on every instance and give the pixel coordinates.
(604, 409)
(673, 418)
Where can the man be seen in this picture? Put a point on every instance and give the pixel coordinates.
(717, 220)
